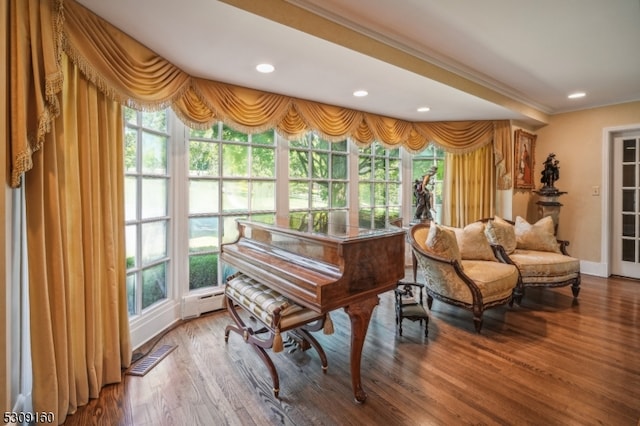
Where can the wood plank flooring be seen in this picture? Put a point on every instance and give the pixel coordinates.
(549, 362)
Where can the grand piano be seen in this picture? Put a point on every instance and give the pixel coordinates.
(341, 267)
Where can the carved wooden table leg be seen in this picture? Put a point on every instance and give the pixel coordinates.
(359, 314)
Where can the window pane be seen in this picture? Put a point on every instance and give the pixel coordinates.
(341, 146)
(154, 154)
(320, 165)
(338, 166)
(130, 150)
(154, 284)
(203, 196)
(319, 143)
(130, 115)
(379, 168)
(235, 195)
(154, 241)
(629, 175)
(211, 133)
(628, 250)
(628, 225)
(263, 162)
(235, 160)
(629, 151)
(394, 193)
(629, 200)
(364, 194)
(203, 271)
(131, 294)
(154, 198)
(203, 234)
(229, 134)
(130, 198)
(364, 218)
(265, 138)
(364, 168)
(320, 196)
(131, 242)
(263, 195)
(394, 170)
(338, 194)
(298, 164)
(155, 120)
(203, 158)
(380, 194)
(298, 195)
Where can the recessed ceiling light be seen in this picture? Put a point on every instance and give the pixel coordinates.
(423, 109)
(577, 95)
(360, 93)
(265, 68)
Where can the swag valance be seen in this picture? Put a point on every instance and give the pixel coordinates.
(132, 74)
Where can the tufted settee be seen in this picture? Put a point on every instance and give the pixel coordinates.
(459, 268)
(541, 259)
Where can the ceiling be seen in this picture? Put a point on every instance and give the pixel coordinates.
(464, 59)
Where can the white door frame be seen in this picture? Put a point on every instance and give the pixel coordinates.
(608, 136)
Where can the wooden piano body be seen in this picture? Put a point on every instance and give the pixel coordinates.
(346, 267)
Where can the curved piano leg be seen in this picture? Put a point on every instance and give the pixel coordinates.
(359, 314)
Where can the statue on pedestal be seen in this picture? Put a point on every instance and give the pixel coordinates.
(550, 174)
(549, 194)
(424, 196)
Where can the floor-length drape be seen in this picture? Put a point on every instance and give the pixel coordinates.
(75, 217)
(469, 187)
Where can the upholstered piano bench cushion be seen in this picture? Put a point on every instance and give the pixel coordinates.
(263, 301)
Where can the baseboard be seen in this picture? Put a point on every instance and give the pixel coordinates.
(594, 268)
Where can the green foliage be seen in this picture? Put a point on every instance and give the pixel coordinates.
(154, 284)
(203, 271)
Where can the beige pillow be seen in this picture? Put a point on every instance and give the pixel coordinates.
(499, 231)
(538, 236)
(473, 243)
(442, 242)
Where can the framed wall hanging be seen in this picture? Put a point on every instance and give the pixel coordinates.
(524, 160)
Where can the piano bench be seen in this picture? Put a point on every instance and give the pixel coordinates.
(277, 314)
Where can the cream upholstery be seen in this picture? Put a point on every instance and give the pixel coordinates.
(474, 285)
(541, 259)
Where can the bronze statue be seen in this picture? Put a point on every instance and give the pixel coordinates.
(424, 196)
(550, 173)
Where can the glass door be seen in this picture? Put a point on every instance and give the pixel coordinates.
(625, 238)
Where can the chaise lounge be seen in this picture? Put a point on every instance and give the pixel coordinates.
(541, 259)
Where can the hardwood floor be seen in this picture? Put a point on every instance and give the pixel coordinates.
(548, 362)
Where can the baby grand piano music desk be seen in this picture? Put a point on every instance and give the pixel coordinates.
(344, 267)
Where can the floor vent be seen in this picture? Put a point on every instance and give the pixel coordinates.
(147, 363)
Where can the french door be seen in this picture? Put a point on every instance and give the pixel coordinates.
(625, 236)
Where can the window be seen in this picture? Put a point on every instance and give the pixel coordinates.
(147, 232)
(231, 175)
(318, 182)
(421, 163)
(380, 186)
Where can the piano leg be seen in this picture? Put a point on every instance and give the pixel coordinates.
(359, 314)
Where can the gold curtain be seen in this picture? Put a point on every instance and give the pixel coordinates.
(469, 193)
(75, 217)
(136, 76)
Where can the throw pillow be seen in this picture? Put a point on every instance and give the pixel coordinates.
(499, 231)
(442, 242)
(473, 243)
(538, 236)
